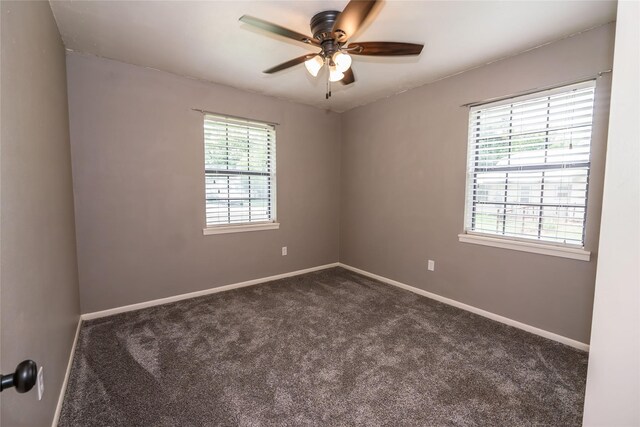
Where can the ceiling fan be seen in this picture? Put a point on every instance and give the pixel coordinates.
(331, 33)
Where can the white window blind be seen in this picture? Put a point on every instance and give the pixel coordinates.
(240, 171)
(528, 166)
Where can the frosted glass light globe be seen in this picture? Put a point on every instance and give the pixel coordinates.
(314, 65)
(342, 61)
(335, 75)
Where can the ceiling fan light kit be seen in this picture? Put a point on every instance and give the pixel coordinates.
(331, 33)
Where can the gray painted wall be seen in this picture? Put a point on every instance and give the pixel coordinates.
(138, 160)
(396, 201)
(403, 188)
(39, 280)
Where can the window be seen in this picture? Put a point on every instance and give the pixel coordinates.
(528, 166)
(240, 174)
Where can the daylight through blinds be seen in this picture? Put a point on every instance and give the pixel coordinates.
(239, 171)
(528, 165)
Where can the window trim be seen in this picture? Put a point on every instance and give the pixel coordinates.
(273, 223)
(240, 228)
(564, 250)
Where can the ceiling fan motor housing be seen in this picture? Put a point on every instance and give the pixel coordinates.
(322, 25)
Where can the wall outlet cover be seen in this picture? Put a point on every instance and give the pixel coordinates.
(431, 265)
(284, 250)
(40, 382)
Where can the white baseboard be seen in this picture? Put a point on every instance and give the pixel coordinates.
(138, 306)
(63, 389)
(532, 329)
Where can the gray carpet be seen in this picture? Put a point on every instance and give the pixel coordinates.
(326, 348)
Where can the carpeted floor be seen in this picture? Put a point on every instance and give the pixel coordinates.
(326, 348)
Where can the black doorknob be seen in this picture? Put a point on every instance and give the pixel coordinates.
(23, 379)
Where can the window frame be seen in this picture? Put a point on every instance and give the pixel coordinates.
(233, 227)
(534, 245)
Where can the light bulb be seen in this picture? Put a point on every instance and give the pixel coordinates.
(335, 75)
(342, 61)
(314, 65)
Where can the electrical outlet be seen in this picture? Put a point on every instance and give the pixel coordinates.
(431, 265)
(284, 251)
(40, 382)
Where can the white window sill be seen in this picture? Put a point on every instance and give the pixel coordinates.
(518, 245)
(223, 229)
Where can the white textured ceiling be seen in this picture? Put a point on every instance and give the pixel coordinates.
(205, 40)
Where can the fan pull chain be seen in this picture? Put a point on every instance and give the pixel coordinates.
(328, 93)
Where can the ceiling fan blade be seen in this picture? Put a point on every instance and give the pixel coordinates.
(384, 48)
(351, 18)
(291, 63)
(348, 77)
(279, 30)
